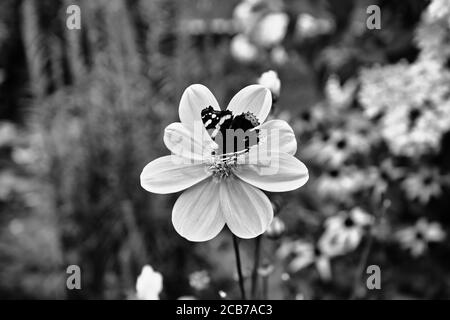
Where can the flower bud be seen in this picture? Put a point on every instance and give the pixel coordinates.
(276, 228)
(243, 50)
(271, 81)
(271, 30)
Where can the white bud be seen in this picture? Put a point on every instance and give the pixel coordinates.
(149, 284)
(271, 81)
(242, 49)
(271, 29)
(276, 228)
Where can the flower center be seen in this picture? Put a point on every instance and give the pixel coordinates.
(222, 168)
(341, 144)
(419, 235)
(317, 251)
(348, 222)
(222, 165)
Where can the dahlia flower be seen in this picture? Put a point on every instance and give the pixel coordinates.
(222, 158)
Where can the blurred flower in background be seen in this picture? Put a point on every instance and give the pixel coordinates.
(340, 96)
(270, 30)
(303, 254)
(417, 237)
(149, 284)
(416, 114)
(276, 229)
(345, 230)
(270, 80)
(199, 280)
(308, 26)
(8, 134)
(243, 50)
(261, 26)
(423, 185)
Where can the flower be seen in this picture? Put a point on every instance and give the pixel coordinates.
(344, 231)
(222, 294)
(410, 103)
(285, 276)
(279, 55)
(416, 238)
(261, 27)
(242, 49)
(271, 29)
(276, 228)
(341, 183)
(339, 95)
(308, 26)
(422, 185)
(271, 81)
(149, 284)
(337, 148)
(306, 254)
(223, 179)
(438, 9)
(246, 15)
(8, 134)
(199, 280)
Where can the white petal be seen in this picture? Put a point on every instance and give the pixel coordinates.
(360, 217)
(302, 260)
(434, 232)
(332, 244)
(194, 99)
(255, 99)
(247, 210)
(324, 268)
(354, 236)
(275, 172)
(196, 214)
(189, 141)
(279, 136)
(172, 174)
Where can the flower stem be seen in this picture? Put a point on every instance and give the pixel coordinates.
(256, 257)
(385, 204)
(266, 287)
(361, 267)
(239, 268)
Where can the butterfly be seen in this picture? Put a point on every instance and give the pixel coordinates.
(233, 133)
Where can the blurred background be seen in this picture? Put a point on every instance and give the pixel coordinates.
(83, 111)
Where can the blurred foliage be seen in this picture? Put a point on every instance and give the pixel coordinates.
(86, 110)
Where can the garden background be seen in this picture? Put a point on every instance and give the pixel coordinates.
(83, 111)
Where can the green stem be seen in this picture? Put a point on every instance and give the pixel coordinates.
(239, 268)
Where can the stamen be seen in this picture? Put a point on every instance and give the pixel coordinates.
(222, 165)
(222, 169)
